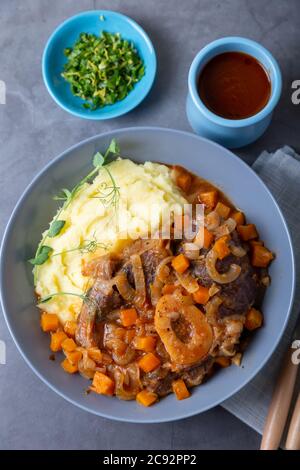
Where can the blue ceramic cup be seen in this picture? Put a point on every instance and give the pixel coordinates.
(231, 133)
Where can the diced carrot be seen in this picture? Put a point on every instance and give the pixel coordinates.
(145, 343)
(149, 362)
(56, 340)
(221, 247)
(223, 361)
(209, 199)
(146, 398)
(180, 263)
(102, 384)
(70, 328)
(239, 217)
(95, 354)
(169, 289)
(129, 336)
(254, 319)
(49, 321)
(247, 232)
(261, 256)
(184, 181)
(69, 367)
(69, 345)
(208, 238)
(256, 242)
(74, 357)
(203, 238)
(201, 296)
(223, 210)
(180, 389)
(120, 333)
(128, 316)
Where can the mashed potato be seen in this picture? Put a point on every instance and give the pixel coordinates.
(108, 217)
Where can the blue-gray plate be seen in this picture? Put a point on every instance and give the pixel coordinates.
(36, 208)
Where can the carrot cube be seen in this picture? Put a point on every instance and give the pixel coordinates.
(209, 199)
(184, 181)
(56, 340)
(102, 384)
(203, 238)
(223, 210)
(146, 398)
(128, 316)
(180, 389)
(169, 289)
(69, 367)
(70, 328)
(238, 217)
(180, 263)
(49, 321)
(129, 335)
(261, 256)
(223, 361)
(247, 232)
(145, 343)
(95, 354)
(254, 319)
(221, 247)
(149, 362)
(201, 296)
(74, 357)
(69, 345)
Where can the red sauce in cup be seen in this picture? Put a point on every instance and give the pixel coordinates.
(234, 85)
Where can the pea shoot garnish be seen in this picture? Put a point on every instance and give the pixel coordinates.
(44, 252)
(102, 70)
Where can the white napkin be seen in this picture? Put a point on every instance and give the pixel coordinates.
(281, 173)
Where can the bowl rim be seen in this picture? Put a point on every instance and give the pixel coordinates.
(255, 47)
(110, 113)
(10, 226)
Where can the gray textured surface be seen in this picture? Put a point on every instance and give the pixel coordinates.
(33, 130)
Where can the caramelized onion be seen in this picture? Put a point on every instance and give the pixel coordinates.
(226, 228)
(213, 290)
(139, 279)
(155, 291)
(237, 251)
(212, 220)
(124, 288)
(231, 275)
(127, 381)
(86, 365)
(187, 281)
(124, 359)
(162, 271)
(191, 250)
(211, 309)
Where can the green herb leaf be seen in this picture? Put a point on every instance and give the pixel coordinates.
(42, 255)
(98, 160)
(55, 228)
(102, 70)
(64, 195)
(113, 148)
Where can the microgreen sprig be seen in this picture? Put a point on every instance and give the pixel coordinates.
(44, 252)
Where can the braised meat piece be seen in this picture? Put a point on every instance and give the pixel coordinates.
(100, 300)
(237, 296)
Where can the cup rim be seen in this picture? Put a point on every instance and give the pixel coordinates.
(276, 81)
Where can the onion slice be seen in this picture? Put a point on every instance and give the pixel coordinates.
(212, 220)
(124, 288)
(231, 275)
(226, 228)
(237, 251)
(162, 270)
(139, 279)
(188, 282)
(191, 250)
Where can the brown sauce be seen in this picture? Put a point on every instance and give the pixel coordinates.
(234, 85)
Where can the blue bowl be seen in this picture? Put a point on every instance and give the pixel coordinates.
(231, 133)
(202, 157)
(67, 34)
